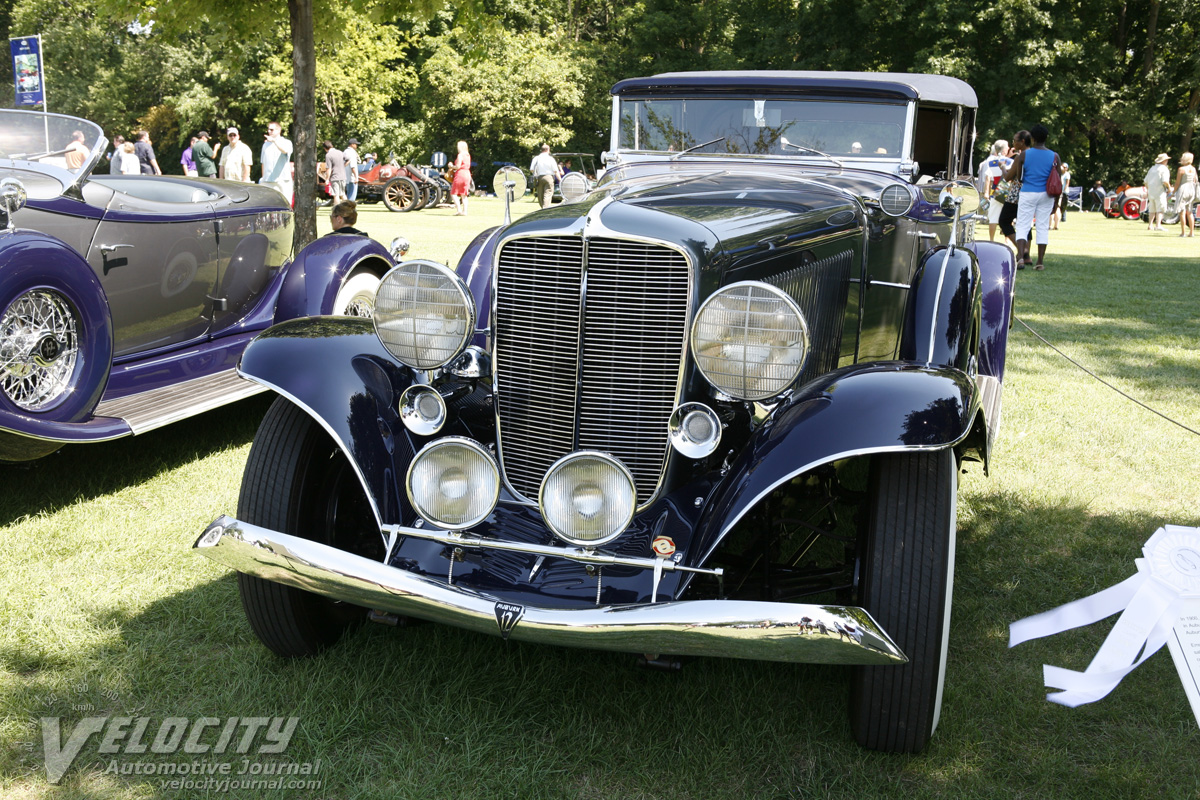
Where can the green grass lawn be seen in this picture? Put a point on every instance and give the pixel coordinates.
(104, 609)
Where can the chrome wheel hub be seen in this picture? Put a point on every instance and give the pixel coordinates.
(39, 348)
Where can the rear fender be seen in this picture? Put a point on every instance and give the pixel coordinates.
(337, 371)
(318, 271)
(878, 407)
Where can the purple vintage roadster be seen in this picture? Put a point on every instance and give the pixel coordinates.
(126, 300)
(716, 406)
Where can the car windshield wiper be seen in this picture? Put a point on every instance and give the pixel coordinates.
(697, 147)
(806, 149)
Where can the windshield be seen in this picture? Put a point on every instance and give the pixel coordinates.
(759, 126)
(49, 143)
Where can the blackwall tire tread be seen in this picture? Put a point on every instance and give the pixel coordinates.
(289, 622)
(907, 565)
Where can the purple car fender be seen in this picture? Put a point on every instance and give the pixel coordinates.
(315, 275)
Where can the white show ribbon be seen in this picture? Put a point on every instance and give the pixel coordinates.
(1168, 578)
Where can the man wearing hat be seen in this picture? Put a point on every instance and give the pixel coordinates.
(276, 160)
(1158, 185)
(205, 156)
(350, 158)
(235, 161)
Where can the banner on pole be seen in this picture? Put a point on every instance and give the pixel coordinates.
(28, 74)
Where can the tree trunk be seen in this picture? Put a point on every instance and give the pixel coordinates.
(304, 122)
(1185, 140)
(1151, 31)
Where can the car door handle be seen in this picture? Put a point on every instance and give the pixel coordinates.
(110, 248)
(926, 235)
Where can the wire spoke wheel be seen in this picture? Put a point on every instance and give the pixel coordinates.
(39, 348)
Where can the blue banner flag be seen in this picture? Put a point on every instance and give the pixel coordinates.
(28, 75)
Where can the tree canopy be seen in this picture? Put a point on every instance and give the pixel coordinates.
(1116, 81)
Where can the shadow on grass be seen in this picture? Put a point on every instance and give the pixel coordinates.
(434, 711)
(78, 473)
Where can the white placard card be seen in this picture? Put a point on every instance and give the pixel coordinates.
(1160, 604)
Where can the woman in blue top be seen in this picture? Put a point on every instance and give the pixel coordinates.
(1034, 166)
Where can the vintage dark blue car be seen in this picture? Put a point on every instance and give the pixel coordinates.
(126, 300)
(715, 407)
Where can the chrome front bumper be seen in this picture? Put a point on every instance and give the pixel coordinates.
(762, 631)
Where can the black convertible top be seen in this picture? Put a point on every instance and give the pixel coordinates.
(884, 85)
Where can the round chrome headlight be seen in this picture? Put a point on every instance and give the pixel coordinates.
(896, 199)
(424, 314)
(750, 340)
(422, 410)
(453, 483)
(573, 186)
(587, 498)
(694, 430)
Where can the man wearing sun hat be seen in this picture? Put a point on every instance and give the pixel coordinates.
(1158, 185)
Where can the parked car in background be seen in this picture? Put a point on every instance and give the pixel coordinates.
(715, 407)
(126, 300)
(579, 175)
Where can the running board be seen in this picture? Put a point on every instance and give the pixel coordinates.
(155, 408)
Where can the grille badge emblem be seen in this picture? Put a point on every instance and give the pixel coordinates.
(507, 617)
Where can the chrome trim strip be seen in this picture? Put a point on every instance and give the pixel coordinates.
(155, 408)
(789, 632)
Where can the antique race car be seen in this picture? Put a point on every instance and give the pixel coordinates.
(126, 300)
(716, 407)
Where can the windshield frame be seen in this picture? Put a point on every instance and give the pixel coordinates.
(867, 160)
(22, 126)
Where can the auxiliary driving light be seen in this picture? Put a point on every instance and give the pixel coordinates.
(422, 410)
(694, 430)
(587, 498)
(453, 483)
(424, 314)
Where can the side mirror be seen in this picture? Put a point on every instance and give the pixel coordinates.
(959, 197)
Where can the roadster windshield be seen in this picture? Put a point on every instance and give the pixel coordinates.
(757, 126)
(31, 141)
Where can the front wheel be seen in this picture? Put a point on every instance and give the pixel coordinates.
(907, 581)
(356, 298)
(299, 482)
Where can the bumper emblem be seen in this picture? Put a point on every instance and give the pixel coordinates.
(507, 617)
(663, 546)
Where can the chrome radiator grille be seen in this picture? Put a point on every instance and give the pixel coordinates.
(599, 376)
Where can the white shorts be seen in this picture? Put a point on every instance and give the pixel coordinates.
(993, 211)
(1033, 205)
(1157, 203)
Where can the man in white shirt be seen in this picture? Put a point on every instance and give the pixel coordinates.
(350, 159)
(235, 161)
(545, 171)
(275, 158)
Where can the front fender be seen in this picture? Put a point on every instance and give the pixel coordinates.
(941, 322)
(337, 371)
(869, 408)
(318, 271)
(997, 271)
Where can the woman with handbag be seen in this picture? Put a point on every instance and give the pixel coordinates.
(1009, 191)
(1041, 183)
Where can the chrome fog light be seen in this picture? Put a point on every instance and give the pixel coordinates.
(694, 430)
(424, 314)
(453, 483)
(587, 498)
(422, 410)
(750, 340)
